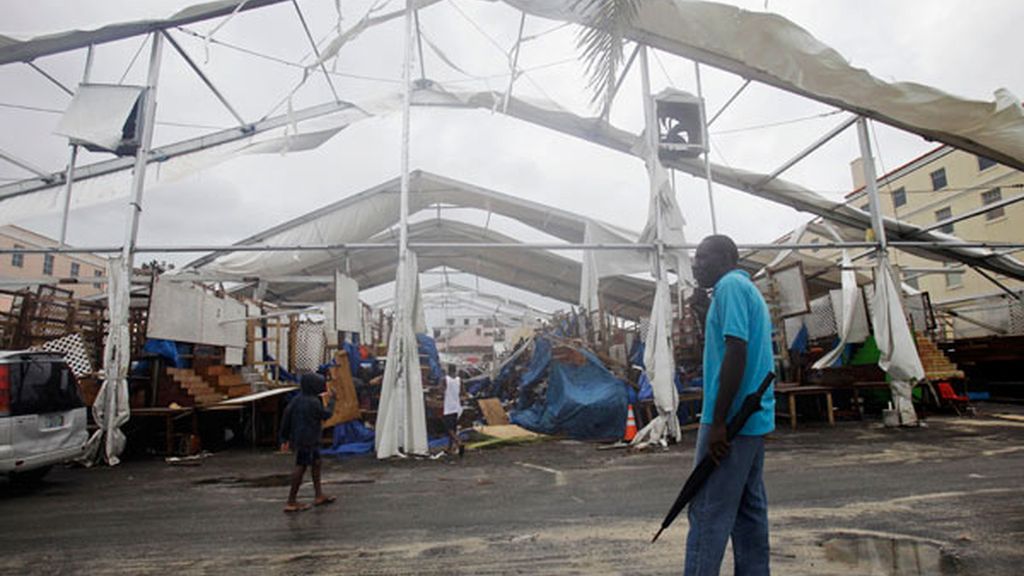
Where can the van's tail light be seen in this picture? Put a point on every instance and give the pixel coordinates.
(5, 390)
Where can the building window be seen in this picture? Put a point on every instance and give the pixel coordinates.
(48, 264)
(991, 197)
(18, 260)
(985, 163)
(97, 274)
(450, 321)
(465, 321)
(945, 214)
(954, 280)
(899, 197)
(939, 179)
(75, 269)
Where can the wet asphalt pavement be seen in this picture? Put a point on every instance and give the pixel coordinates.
(854, 499)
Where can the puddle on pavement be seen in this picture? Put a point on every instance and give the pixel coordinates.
(888, 556)
(269, 481)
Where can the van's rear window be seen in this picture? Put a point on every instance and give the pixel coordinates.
(40, 386)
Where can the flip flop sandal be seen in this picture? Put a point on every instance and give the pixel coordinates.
(324, 501)
(292, 508)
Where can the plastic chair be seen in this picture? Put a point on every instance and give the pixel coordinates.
(947, 395)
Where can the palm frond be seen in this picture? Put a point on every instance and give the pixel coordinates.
(600, 43)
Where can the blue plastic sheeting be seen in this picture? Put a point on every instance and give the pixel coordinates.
(538, 363)
(480, 387)
(646, 390)
(351, 438)
(636, 355)
(353, 357)
(427, 347)
(584, 402)
(801, 341)
(444, 441)
(168, 349)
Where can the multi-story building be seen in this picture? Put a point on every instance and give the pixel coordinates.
(939, 186)
(932, 190)
(33, 268)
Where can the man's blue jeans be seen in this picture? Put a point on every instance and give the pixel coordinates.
(731, 503)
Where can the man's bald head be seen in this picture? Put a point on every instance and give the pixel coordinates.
(716, 255)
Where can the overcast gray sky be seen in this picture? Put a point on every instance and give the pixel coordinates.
(965, 48)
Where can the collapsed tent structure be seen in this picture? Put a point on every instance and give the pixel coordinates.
(370, 235)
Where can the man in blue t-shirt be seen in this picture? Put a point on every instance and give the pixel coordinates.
(737, 357)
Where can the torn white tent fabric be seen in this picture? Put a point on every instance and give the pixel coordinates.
(97, 114)
(50, 200)
(899, 357)
(851, 294)
(110, 409)
(401, 426)
(660, 368)
(598, 264)
(665, 221)
(589, 282)
(348, 311)
(302, 136)
(358, 217)
(614, 262)
(533, 270)
(771, 49)
(778, 190)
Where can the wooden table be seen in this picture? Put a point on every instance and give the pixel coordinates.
(792, 391)
(169, 415)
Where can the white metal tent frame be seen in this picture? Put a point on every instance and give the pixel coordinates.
(781, 55)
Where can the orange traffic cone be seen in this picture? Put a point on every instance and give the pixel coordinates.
(630, 425)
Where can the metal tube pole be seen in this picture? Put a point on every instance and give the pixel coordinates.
(69, 178)
(707, 150)
(1009, 247)
(26, 165)
(403, 237)
(209, 84)
(515, 63)
(871, 183)
(145, 142)
(606, 110)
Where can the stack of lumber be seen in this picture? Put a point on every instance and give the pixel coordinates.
(194, 386)
(937, 366)
(225, 380)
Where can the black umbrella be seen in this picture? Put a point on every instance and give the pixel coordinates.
(751, 404)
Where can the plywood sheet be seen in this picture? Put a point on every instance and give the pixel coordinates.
(346, 405)
(185, 312)
(494, 414)
(507, 432)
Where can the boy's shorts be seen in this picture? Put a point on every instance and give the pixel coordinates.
(306, 456)
(451, 422)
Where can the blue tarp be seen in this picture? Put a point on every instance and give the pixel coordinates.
(636, 355)
(584, 402)
(352, 350)
(427, 347)
(168, 349)
(538, 364)
(351, 438)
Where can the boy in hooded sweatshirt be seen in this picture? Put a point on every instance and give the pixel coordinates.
(301, 429)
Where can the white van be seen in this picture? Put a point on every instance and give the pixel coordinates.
(42, 417)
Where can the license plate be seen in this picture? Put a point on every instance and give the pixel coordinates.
(53, 421)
